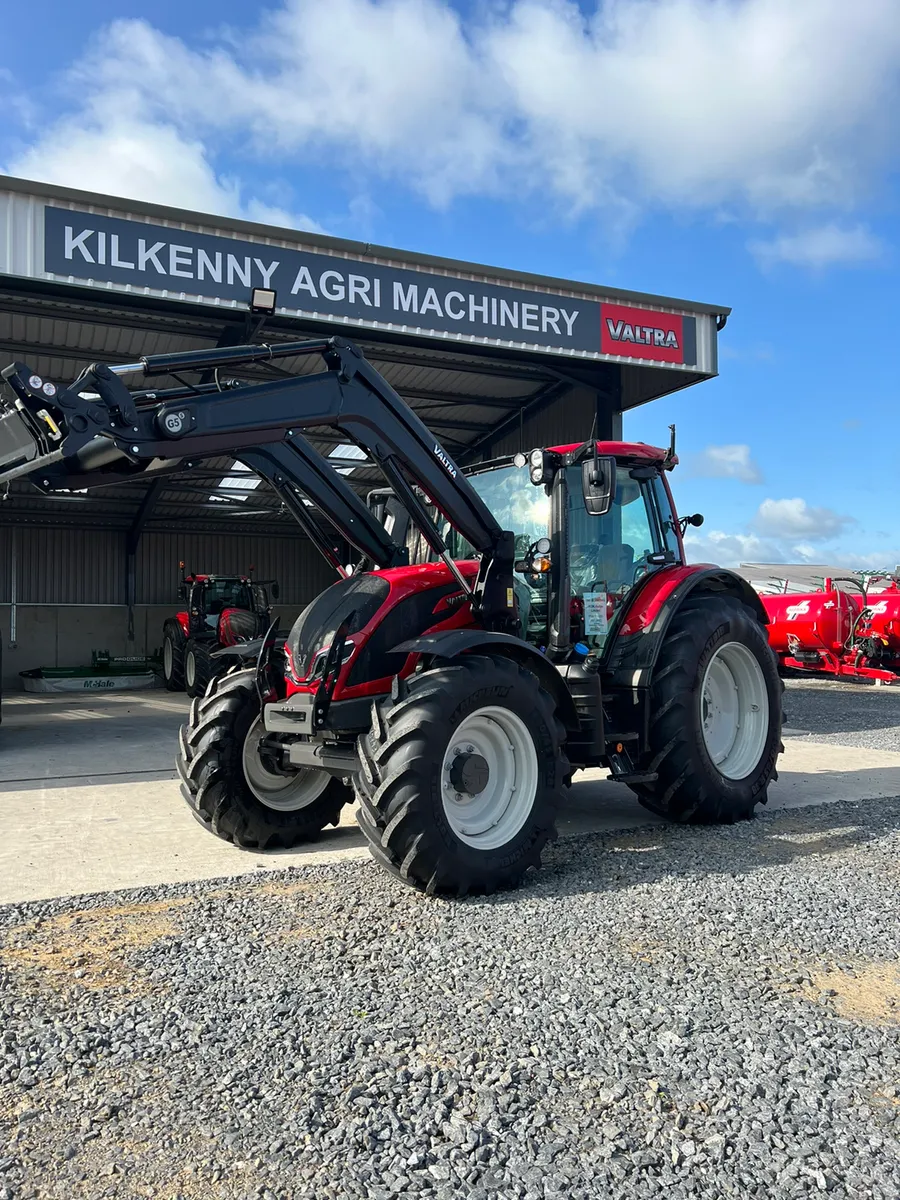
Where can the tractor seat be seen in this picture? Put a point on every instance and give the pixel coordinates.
(615, 565)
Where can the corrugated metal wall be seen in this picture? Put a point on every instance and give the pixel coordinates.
(294, 562)
(71, 566)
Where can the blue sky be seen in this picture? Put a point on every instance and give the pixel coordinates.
(742, 152)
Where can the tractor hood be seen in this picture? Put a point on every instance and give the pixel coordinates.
(379, 609)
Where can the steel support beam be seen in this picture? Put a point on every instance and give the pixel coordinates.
(132, 541)
(608, 420)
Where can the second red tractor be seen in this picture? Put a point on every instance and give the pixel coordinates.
(221, 610)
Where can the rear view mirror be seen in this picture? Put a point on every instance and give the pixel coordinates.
(182, 591)
(276, 591)
(598, 483)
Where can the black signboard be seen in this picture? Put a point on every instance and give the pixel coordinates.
(103, 249)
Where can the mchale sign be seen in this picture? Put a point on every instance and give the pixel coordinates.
(210, 267)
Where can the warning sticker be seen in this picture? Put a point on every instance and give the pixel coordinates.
(595, 619)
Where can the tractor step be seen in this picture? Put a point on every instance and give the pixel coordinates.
(636, 777)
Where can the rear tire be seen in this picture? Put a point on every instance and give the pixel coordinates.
(715, 716)
(462, 774)
(173, 656)
(232, 790)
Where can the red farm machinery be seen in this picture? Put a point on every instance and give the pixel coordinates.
(508, 624)
(847, 627)
(221, 610)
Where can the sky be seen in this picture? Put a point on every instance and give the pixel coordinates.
(736, 152)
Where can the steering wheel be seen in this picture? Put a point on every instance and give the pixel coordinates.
(641, 568)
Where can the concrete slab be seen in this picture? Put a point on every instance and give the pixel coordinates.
(89, 800)
(91, 736)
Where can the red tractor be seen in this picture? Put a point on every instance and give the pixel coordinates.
(519, 621)
(222, 610)
(846, 629)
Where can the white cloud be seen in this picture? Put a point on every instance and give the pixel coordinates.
(731, 549)
(794, 518)
(725, 462)
(879, 560)
(824, 246)
(698, 104)
(146, 161)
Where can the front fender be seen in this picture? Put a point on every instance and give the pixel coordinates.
(452, 642)
(649, 612)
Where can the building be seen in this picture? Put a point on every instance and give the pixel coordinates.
(494, 361)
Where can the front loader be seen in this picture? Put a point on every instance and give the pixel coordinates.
(546, 621)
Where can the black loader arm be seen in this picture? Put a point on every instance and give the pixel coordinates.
(121, 434)
(292, 466)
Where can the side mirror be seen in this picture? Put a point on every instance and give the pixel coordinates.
(276, 591)
(182, 591)
(695, 519)
(598, 484)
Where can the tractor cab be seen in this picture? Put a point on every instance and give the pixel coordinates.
(590, 521)
(209, 596)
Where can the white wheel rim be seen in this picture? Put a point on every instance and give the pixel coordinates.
(734, 710)
(168, 657)
(284, 793)
(190, 669)
(493, 816)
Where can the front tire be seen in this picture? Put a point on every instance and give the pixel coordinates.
(462, 774)
(199, 667)
(715, 716)
(233, 789)
(173, 656)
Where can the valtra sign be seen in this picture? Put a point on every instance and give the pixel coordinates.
(636, 333)
(209, 268)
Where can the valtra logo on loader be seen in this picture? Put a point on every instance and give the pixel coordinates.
(444, 459)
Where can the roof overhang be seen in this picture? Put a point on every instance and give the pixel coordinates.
(111, 245)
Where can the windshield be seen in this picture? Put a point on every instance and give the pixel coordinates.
(223, 593)
(515, 503)
(525, 509)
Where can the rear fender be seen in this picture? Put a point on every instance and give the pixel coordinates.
(645, 622)
(451, 643)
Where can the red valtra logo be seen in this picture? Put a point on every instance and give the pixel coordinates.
(639, 333)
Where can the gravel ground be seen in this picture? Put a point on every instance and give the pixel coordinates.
(849, 714)
(706, 1013)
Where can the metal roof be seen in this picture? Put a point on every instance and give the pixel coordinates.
(806, 577)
